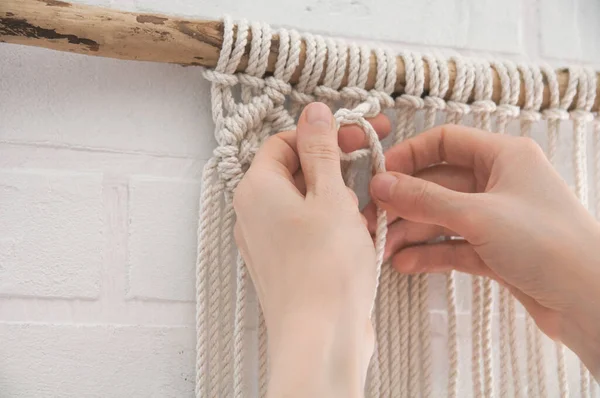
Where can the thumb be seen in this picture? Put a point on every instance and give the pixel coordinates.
(419, 200)
(318, 149)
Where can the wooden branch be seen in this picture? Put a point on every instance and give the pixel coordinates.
(63, 26)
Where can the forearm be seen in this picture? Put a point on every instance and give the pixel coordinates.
(318, 357)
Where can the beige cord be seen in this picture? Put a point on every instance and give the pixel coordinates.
(402, 365)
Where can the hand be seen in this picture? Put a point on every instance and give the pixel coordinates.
(310, 256)
(520, 222)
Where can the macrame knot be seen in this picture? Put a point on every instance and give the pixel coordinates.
(483, 106)
(347, 116)
(355, 155)
(251, 81)
(280, 119)
(222, 79)
(436, 103)
(229, 167)
(301, 98)
(277, 89)
(384, 99)
(248, 116)
(530, 116)
(370, 108)
(354, 94)
(556, 114)
(506, 110)
(458, 108)
(328, 93)
(582, 116)
(410, 101)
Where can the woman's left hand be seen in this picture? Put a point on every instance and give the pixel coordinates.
(310, 256)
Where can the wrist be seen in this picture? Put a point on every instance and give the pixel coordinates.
(316, 355)
(581, 325)
(582, 336)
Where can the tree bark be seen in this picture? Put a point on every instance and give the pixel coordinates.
(102, 32)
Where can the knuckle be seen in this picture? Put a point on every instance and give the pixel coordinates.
(529, 147)
(323, 151)
(421, 194)
(273, 138)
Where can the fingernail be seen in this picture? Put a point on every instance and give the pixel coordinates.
(318, 115)
(382, 185)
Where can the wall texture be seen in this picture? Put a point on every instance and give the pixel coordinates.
(100, 162)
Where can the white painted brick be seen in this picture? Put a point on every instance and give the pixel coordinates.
(100, 103)
(162, 238)
(558, 28)
(570, 29)
(52, 233)
(589, 30)
(45, 360)
(505, 35)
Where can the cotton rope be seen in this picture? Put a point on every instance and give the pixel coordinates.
(249, 106)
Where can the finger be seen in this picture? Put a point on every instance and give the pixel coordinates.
(301, 187)
(442, 257)
(318, 150)
(452, 177)
(353, 196)
(352, 137)
(299, 182)
(423, 201)
(405, 233)
(364, 220)
(453, 144)
(278, 154)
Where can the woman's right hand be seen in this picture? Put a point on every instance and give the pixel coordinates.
(521, 223)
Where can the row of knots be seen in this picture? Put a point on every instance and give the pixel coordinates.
(239, 135)
(234, 160)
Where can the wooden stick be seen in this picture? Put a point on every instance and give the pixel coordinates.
(63, 26)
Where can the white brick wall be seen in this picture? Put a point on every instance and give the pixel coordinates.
(100, 163)
(52, 233)
(161, 260)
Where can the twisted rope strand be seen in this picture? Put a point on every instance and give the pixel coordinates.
(201, 278)
(357, 116)
(263, 366)
(239, 350)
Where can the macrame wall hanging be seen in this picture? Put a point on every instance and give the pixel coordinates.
(249, 106)
(260, 82)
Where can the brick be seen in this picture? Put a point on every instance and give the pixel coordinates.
(52, 233)
(589, 30)
(106, 104)
(569, 29)
(46, 360)
(504, 35)
(162, 238)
